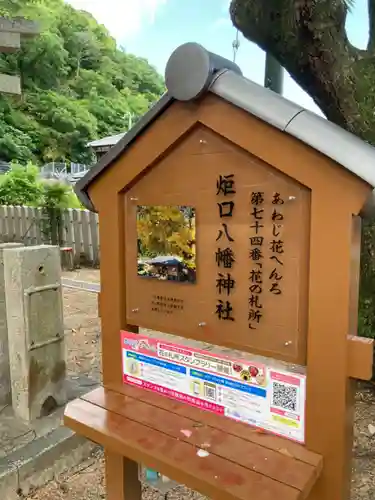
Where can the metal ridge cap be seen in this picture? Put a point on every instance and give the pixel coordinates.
(343, 147)
(255, 99)
(190, 70)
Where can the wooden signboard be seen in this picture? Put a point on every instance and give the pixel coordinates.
(240, 231)
(231, 216)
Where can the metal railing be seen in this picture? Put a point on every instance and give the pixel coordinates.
(66, 172)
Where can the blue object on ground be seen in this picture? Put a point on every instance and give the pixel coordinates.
(151, 475)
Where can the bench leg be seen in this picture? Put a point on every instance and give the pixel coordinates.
(122, 478)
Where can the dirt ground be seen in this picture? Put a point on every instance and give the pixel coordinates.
(83, 357)
(82, 327)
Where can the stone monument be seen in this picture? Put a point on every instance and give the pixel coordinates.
(5, 385)
(35, 329)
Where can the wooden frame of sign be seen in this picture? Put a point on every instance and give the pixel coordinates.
(220, 160)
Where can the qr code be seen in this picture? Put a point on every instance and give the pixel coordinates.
(210, 391)
(284, 396)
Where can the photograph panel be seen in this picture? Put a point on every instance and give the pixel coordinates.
(166, 242)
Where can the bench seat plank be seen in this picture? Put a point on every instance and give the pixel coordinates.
(236, 467)
(230, 426)
(212, 475)
(270, 463)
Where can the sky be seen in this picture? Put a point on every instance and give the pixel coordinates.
(154, 28)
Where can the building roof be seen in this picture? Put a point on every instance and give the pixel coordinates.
(192, 71)
(110, 141)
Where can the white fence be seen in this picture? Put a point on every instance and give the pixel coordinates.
(79, 230)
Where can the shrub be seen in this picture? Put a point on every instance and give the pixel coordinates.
(22, 186)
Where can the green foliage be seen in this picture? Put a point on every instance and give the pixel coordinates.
(366, 319)
(58, 195)
(22, 186)
(13, 7)
(77, 85)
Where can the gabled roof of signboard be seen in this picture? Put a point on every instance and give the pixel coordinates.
(191, 71)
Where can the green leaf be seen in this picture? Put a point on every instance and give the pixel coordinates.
(77, 85)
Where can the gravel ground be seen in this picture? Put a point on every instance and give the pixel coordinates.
(86, 481)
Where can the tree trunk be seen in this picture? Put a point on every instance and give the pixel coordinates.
(309, 40)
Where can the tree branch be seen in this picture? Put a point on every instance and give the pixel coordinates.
(308, 38)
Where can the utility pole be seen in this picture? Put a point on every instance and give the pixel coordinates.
(274, 75)
(236, 46)
(11, 32)
(129, 115)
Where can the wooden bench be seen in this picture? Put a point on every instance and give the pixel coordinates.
(238, 461)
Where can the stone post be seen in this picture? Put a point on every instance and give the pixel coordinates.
(11, 32)
(5, 387)
(35, 329)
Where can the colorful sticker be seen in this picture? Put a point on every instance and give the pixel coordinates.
(249, 392)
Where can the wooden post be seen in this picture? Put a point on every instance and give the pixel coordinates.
(122, 478)
(10, 42)
(330, 393)
(11, 32)
(121, 473)
(10, 84)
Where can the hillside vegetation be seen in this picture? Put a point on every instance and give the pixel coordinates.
(77, 85)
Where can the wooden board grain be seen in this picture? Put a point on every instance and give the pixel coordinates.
(265, 320)
(233, 468)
